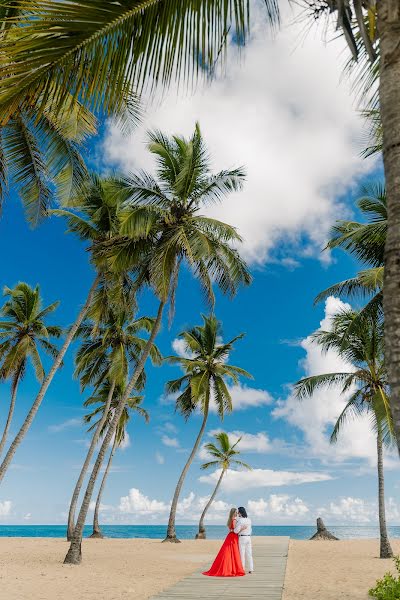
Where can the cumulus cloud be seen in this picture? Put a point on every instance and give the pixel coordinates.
(259, 478)
(5, 508)
(171, 442)
(258, 443)
(316, 416)
(179, 347)
(278, 505)
(295, 138)
(244, 397)
(136, 502)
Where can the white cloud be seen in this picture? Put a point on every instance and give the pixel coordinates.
(65, 425)
(160, 458)
(316, 416)
(345, 510)
(102, 507)
(258, 443)
(171, 442)
(179, 347)
(258, 478)
(278, 505)
(244, 397)
(282, 113)
(170, 427)
(27, 517)
(5, 508)
(136, 502)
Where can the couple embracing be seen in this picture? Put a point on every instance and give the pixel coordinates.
(236, 550)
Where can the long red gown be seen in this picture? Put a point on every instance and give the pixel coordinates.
(227, 562)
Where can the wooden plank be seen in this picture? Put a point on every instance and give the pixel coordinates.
(270, 556)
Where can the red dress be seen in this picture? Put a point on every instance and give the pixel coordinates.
(227, 562)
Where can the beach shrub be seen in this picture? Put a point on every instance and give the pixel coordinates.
(388, 588)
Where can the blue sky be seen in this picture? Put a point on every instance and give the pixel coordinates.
(296, 187)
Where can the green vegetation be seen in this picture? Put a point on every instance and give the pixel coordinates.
(388, 588)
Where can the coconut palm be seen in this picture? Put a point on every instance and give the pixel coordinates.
(133, 405)
(205, 381)
(367, 383)
(106, 351)
(96, 222)
(24, 334)
(224, 458)
(161, 228)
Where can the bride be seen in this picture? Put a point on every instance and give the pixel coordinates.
(227, 562)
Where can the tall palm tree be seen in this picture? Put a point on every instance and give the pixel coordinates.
(106, 351)
(224, 458)
(161, 229)
(368, 385)
(133, 405)
(204, 381)
(24, 334)
(96, 221)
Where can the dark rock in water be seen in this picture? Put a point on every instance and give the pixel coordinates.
(322, 532)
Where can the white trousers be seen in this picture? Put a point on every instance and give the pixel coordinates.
(246, 552)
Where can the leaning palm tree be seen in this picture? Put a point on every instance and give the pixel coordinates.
(24, 334)
(161, 228)
(224, 455)
(106, 351)
(133, 405)
(96, 222)
(204, 381)
(367, 383)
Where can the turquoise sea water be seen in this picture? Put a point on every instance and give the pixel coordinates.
(185, 532)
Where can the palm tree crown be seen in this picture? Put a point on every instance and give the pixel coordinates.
(161, 225)
(24, 331)
(206, 369)
(224, 453)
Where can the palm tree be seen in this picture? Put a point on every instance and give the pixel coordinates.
(160, 229)
(223, 453)
(23, 334)
(133, 405)
(367, 382)
(105, 353)
(96, 222)
(204, 381)
(365, 241)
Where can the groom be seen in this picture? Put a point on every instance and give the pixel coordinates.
(243, 529)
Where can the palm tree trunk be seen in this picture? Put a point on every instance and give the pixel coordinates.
(201, 535)
(93, 443)
(385, 548)
(10, 413)
(96, 528)
(171, 533)
(389, 94)
(46, 382)
(74, 554)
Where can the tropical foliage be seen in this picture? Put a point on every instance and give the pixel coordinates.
(206, 373)
(224, 455)
(24, 337)
(365, 381)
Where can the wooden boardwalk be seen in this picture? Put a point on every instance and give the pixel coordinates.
(270, 555)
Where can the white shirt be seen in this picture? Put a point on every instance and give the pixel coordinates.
(242, 521)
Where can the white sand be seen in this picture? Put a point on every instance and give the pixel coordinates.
(343, 570)
(32, 569)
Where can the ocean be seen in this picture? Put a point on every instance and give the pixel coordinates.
(187, 532)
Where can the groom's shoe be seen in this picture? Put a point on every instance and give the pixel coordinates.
(250, 572)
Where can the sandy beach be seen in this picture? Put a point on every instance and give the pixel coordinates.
(31, 568)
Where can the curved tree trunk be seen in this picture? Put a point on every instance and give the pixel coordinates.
(74, 554)
(385, 548)
(389, 94)
(10, 414)
(93, 443)
(201, 535)
(171, 533)
(96, 528)
(46, 382)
